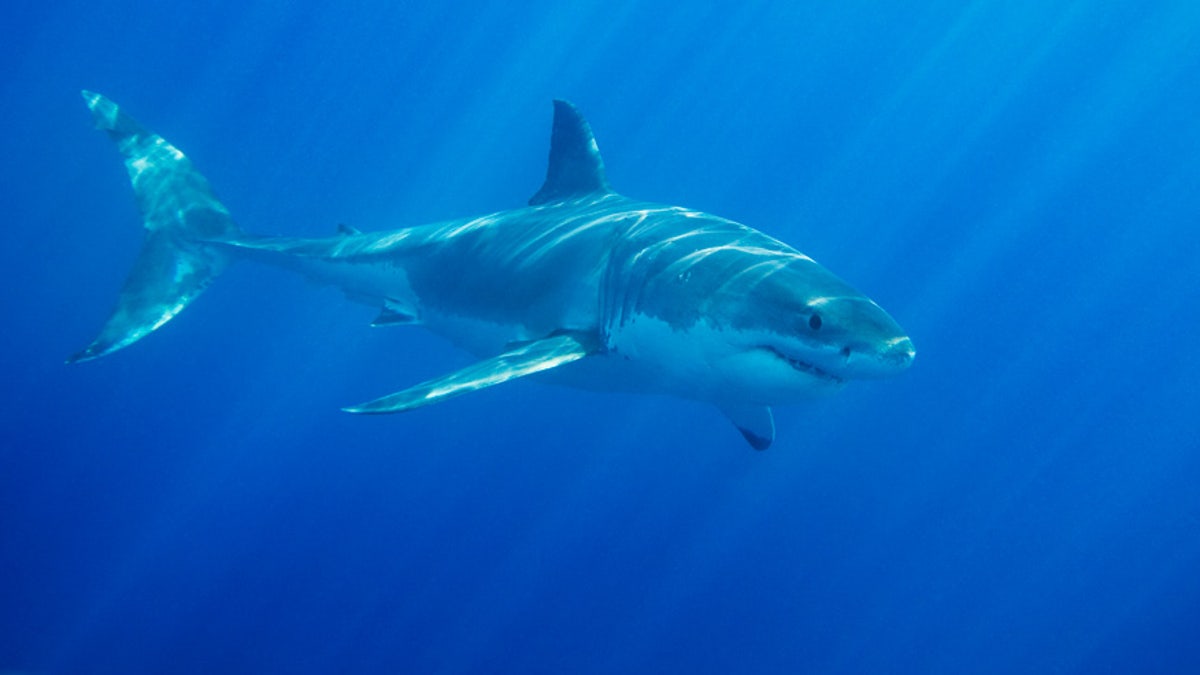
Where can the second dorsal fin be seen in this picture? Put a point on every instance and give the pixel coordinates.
(576, 168)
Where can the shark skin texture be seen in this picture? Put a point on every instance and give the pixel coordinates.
(582, 287)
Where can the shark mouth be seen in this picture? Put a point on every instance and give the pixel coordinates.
(806, 367)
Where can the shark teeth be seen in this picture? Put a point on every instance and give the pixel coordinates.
(806, 367)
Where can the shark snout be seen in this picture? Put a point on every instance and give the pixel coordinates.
(898, 353)
(882, 359)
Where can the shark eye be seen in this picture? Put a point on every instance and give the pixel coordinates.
(814, 321)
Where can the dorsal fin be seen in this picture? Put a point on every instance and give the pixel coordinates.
(576, 168)
(347, 230)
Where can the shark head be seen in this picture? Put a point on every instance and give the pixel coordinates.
(767, 324)
(791, 329)
(813, 323)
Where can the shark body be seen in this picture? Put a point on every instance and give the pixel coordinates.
(585, 286)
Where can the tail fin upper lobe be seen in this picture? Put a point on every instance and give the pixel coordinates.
(183, 220)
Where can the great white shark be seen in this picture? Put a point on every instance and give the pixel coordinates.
(585, 286)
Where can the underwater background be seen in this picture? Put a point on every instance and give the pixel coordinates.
(1018, 183)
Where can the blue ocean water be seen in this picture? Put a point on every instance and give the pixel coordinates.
(1017, 183)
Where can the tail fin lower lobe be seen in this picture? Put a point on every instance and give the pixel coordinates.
(183, 220)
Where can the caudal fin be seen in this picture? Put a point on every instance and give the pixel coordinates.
(183, 219)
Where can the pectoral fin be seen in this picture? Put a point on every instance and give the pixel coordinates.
(754, 421)
(529, 358)
(395, 314)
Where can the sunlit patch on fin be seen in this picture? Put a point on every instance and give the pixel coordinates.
(756, 423)
(395, 314)
(533, 357)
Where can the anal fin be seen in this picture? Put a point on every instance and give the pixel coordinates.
(529, 358)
